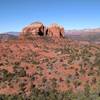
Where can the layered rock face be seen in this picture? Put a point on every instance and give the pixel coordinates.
(38, 29)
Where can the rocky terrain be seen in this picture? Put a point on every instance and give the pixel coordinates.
(38, 29)
(43, 65)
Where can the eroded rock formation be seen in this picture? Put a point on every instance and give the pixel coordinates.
(55, 30)
(38, 29)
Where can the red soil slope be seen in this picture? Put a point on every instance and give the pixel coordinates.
(45, 63)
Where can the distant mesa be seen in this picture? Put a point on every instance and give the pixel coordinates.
(38, 29)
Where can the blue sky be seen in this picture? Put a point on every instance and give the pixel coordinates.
(72, 14)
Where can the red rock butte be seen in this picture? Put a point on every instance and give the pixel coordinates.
(38, 29)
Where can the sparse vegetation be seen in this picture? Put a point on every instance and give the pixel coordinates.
(49, 72)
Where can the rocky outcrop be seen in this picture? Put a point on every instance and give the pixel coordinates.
(55, 30)
(38, 29)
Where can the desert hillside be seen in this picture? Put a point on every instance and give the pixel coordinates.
(41, 63)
